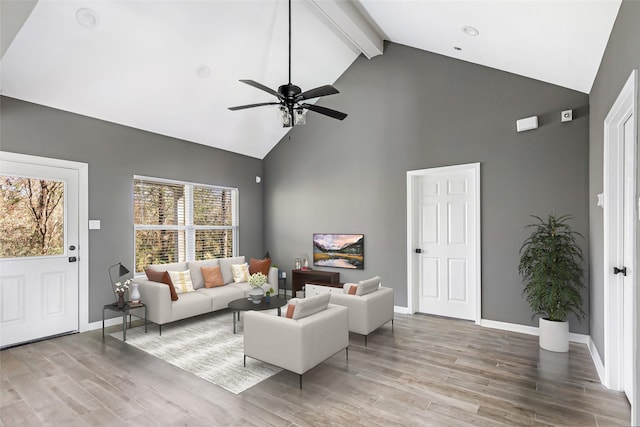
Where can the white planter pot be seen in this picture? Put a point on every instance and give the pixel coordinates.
(554, 336)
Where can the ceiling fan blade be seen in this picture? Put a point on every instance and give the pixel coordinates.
(262, 87)
(317, 92)
(326, 111)
(242, 107)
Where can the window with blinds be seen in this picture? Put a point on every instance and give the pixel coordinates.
(178, 221)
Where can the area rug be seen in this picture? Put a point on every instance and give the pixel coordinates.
(206, 347)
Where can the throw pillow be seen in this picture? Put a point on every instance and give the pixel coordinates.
(225, 267)
(240, 272)
(367, 286)
(181, 281)
(290, 309)
(196, 273)
(162, 277)
(212, 276)
(349, 288)
(311, 305)
(259, 266)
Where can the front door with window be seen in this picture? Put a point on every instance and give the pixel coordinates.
(38, 252)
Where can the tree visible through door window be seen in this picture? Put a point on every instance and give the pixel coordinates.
(177, 221)
(32, 217)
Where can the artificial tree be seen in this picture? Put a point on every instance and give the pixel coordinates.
(551, 269)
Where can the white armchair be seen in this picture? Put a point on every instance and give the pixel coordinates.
(296, 345)
(366, 312)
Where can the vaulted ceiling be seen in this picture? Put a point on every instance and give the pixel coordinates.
(172, 67)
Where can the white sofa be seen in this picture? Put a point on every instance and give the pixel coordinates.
(367, 312)
(296, 345)
(161, 310)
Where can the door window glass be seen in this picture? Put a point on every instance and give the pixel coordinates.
(31, 218)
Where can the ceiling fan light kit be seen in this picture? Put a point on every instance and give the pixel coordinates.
(292, 110)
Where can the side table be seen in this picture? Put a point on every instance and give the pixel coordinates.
(125, 310)
(282, 280)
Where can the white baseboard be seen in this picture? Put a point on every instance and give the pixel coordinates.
(597, 360)
(511, 327)
(401, 310)
(107, 322)
(530, 330)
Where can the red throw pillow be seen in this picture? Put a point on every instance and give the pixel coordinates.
(162, 277)
(259, 265)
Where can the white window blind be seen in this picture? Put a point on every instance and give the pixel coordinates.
(179, 221)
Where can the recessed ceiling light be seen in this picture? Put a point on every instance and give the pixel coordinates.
(203, 71)
(87, 18)
(470, 31)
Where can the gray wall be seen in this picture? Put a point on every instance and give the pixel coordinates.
(114, 154)
(409, 109)
(621, 57)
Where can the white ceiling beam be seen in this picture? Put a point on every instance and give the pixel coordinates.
(349, 22)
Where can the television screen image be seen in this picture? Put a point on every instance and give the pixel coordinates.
(338, 250)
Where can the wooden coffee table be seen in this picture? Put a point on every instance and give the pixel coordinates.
(245, 304)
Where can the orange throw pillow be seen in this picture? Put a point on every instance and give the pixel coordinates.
(162, 277)
(212, 276)
(259, 265)
(290, 309)
(353, 290)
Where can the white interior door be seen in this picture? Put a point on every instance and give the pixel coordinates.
(627, 243)
(38, 264)
(620, 221)
(448, 242)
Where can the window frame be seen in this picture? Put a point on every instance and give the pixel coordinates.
(189, 228)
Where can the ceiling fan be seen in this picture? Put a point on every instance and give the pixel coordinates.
(290, 97)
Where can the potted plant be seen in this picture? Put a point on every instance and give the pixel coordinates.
(256, 280)
(551, 270)
(268, 294)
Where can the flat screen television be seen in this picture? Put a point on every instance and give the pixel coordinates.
(338, 250)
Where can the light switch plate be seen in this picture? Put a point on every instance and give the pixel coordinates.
(94, 224)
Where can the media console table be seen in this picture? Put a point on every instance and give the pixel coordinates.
(300, 277)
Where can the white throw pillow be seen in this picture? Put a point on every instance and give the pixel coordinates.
(181, 281)
(311, 305)
(367, 286)
(240, 272)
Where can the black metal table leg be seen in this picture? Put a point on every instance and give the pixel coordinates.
(102, 323)
(234, 321)
(124, 326)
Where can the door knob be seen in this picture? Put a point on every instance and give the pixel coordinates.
(72, 248)
(73, 259)
(418, 251)
(622, 270)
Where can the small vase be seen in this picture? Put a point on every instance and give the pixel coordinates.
(267, 299)
(134, 295)
(120, 299)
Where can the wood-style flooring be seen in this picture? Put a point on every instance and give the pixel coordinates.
(427, 371)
